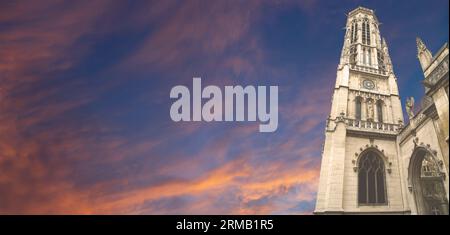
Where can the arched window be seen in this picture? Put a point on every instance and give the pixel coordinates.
(380, 110)
(371, 179)
(366, 32)
(358, 102)
(363, 32)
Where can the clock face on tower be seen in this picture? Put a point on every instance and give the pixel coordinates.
(368, 84)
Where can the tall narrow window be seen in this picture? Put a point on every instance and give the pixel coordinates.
(380, 110)
(371, 180)
(364, 56)
(353, 55)
(366, 32)
(363, 31)
(380, 58)
(370, 57)
(354, 32)
(358, 102)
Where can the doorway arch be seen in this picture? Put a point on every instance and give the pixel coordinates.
(426, 182)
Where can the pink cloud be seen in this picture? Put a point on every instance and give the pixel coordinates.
(39, 168)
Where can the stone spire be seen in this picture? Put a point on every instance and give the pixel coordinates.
(423, 54)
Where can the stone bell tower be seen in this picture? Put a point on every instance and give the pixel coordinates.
(360, 171)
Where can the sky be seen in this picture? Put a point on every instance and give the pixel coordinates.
(85, 122)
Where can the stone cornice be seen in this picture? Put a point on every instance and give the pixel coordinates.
(369, 70)
(371, 134)
(371, 93)
(365, 11)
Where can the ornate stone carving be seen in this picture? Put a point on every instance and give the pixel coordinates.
(380, 151)
(416, 142)
(430, 157)
(410, 107)
(341, 117)
(370, 110)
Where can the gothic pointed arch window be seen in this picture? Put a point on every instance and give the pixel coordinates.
(371, 180)
(380, 110)
(366, 32)
(358, 108)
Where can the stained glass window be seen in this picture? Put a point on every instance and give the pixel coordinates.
(371, 180)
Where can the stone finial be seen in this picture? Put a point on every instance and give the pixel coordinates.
(423, 54)
(420, 45)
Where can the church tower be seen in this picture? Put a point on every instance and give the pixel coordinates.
(360, 171)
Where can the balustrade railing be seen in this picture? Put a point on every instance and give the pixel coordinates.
(370, 125)
(367, 69)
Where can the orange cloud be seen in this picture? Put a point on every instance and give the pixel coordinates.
(53, 160)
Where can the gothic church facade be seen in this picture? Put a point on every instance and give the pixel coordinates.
(372, 161)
